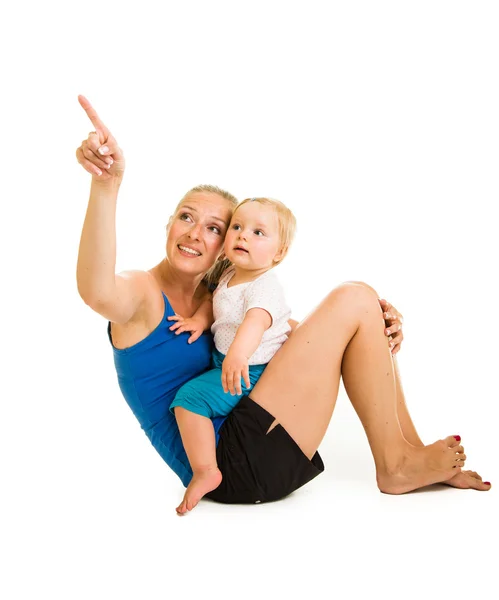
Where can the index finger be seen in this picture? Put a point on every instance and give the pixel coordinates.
(92, 115)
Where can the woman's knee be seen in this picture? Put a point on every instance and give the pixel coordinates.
(355, 295)
(364, 285)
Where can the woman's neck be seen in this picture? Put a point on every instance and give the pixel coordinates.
(176, 283)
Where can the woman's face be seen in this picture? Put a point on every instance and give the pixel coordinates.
(196, 232)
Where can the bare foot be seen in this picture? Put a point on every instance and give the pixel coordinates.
(201, 483)
(468, 480)
(422, 466)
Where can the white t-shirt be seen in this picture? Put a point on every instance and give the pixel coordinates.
(230, 306)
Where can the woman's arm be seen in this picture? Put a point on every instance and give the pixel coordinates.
(115, 297)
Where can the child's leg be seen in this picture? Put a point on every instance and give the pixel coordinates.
(198, 437)
(194, 405)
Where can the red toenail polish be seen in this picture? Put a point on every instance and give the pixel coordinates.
(487, 482)
(458, 438)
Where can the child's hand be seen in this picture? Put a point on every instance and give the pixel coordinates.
(194, 325)
(234, 367)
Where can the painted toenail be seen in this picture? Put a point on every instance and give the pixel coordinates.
(487, 482)
(458, 438)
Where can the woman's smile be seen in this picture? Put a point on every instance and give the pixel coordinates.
(188, 251)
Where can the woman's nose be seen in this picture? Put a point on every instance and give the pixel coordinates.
(195, 232)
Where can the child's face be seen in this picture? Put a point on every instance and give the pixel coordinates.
(252, 241)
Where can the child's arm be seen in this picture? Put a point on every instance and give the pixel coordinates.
(200, 321)
(248, 337)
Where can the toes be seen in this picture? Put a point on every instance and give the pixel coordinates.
(477, 484)
(459, 453)
(182, 508)
(191, 504)
(453, 440)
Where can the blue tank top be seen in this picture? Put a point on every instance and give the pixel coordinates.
(149, 375)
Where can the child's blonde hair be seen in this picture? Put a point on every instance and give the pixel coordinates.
(287, 222)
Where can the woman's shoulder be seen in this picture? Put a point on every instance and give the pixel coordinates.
(137, 275)
(149, 312)
(144, 285)
(142, 281)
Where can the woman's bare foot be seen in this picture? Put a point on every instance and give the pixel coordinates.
(468, 480)
(202, 482)
(422, 466)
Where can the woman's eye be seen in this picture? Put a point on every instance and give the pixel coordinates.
(215, 229)
(184, 216)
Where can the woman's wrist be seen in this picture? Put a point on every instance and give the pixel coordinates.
(110, 185)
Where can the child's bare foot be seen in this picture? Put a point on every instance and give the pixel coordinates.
(202, 482)
(422, 466)
(468, 480)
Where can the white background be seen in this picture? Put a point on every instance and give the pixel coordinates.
(377, 123)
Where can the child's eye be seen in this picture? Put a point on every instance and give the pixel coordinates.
(236, 227)
(258, 232)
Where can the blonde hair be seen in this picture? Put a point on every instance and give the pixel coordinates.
(286, 219)
(210, 189)
(212, 277)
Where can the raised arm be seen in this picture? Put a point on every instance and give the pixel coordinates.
(115, 297)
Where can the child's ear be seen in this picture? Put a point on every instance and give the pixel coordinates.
(280, 254)
(222, 256)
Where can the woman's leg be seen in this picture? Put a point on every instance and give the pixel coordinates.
(464, 479)
(345, 336)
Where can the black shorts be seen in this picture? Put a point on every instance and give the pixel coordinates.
(256, 466)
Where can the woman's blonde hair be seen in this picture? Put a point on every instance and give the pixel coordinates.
(212, 277)
(287, 222)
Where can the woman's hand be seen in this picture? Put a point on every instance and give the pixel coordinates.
(99, 154)
(393, 322)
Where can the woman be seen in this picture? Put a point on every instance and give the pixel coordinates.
(267, 447)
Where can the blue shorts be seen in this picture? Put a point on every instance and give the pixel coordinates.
(204, 395)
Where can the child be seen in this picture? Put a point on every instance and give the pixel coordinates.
(250, 325)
